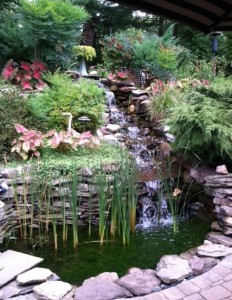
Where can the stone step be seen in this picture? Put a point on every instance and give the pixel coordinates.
(13, 263)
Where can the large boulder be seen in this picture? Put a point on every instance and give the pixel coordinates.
(172, 269)
(139, 282)
(101, 287)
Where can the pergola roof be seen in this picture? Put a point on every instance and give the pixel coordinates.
(207, 16)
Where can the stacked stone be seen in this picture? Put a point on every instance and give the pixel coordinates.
(140, 101)
(220, 187)
(21, 204)
(121, 89)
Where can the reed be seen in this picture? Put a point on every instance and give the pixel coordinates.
(104, 205)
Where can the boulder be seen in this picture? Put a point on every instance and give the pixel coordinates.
(226, 211)
(213, 250)
(101, 287)
(173, 269)
(139, 282)
(222, 201)
(52, 290)
(197, 265)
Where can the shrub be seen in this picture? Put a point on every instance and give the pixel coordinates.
(203, 125)
(83, 98)
(13, 110)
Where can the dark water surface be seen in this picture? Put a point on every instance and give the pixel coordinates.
(144, 251)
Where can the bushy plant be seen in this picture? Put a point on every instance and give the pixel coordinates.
(202, 125)
(86, 52)
(31, 142)
(83, 98)
(26, 75)
(159, 55)
(117, 49)
(41, 29)
(13, 110)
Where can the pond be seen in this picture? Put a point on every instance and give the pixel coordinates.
(144, 250)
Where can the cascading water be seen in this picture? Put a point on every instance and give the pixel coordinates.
(153, 208)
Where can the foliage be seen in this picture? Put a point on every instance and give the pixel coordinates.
(26, 75)
(201, 123)
(159, 55)
(31, 141)
(83, 98)
(117, 49)
(13, 110)
(100, 70)
(118, 76)
(219, 89)
(86, 52)
(41, 29)
(28, 143)
(162, 98)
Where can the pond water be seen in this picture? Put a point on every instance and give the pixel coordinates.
(144, 250)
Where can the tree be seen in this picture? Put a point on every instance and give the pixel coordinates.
(41, 29)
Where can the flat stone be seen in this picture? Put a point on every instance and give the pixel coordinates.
(13, 263)
(213, 250)
(215, 226)
(222, 201)
(219, 238)
(30, 296)
(172, 268)
(110, 139)
(12, 289)
(113, 128)
(139, 282)
(52, 290)
(226, 211)
(227, 221)
(34, 275)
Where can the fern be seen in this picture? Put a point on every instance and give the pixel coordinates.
(202, 123)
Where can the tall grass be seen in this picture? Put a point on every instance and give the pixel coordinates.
(117, 201)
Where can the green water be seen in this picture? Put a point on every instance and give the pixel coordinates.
(144, 251)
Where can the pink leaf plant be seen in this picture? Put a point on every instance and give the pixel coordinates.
(26, 75)
(31, 141)
(28, 143)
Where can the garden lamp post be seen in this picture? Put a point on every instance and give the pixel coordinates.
(214, 34)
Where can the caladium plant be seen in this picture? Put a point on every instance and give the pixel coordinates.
(67, 140)
(118, 76)
(27, 75)
(28, 143)
(31, 141)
